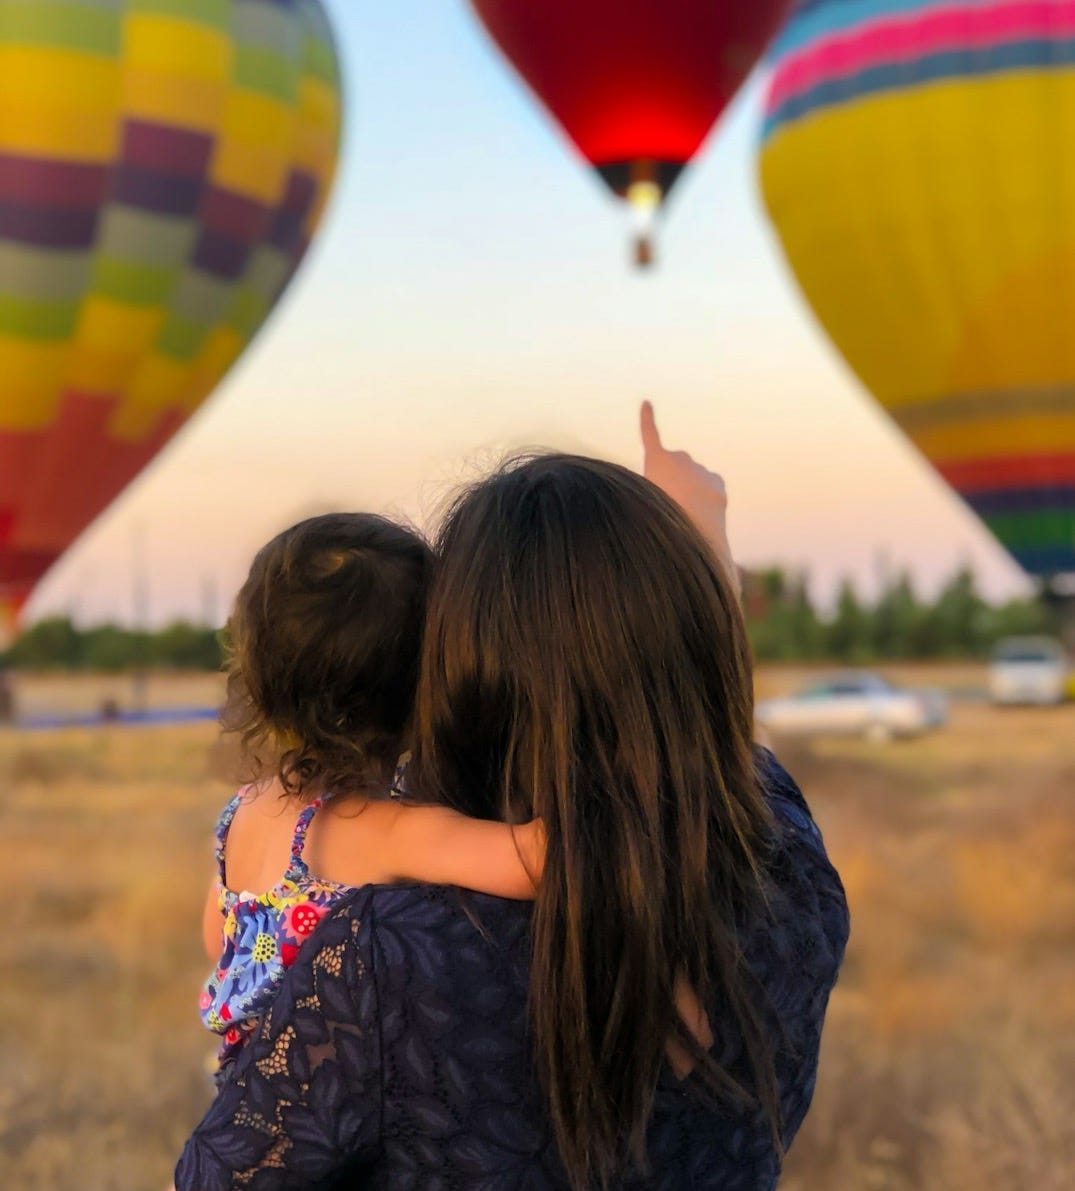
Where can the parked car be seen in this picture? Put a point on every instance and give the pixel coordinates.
(855, 703)
(1029, 670)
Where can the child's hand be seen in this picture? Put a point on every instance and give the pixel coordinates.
(697, 490)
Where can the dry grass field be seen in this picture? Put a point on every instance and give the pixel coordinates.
(949, 1059)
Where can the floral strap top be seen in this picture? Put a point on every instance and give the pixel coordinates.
(262, 934)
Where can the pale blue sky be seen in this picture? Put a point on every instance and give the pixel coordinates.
(469, 294)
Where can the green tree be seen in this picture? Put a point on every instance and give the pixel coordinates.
(49, 644)
(1019, 618)
(961, 617)
(926, 634)
(185, 646)
(109, 647)
(847, 635)
(56, 643)
(894, 619)
(804, 632)
(762, 593)
(781, 617)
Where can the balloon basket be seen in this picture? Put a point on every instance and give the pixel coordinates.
(644, 252)
(644, 197)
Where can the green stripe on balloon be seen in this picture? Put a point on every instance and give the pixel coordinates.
(43, 273)
(141, 259)
(199, 303)
(1023, 401)
(1034, 530)
(249, 310)
(315, 22)
(267, 72)
(35, 319)
(61, 24)
(270, 26)
(199, 298)
(139, 282)
(207, 12)
(182, 338)
(133, 282)
(162, 240)
(268, 270)
(319, 60)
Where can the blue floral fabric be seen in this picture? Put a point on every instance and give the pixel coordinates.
(261, 934)
(396, 1053)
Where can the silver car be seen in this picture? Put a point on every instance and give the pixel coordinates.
(1029, 670)
(854, 703)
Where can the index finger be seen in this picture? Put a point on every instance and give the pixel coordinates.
(651, 438)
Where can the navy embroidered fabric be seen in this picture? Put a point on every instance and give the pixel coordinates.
(396, 1053)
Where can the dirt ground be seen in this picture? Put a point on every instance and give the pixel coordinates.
(949, 1055)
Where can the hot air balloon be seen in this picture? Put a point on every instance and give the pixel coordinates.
(637, 85)
(918, 162)
(163, 166)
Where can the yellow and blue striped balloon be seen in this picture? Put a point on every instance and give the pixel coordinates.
(918, 162)
(163, 166)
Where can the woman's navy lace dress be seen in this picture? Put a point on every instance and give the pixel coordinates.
(396, 1055)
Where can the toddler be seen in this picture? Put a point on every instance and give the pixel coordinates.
(325, 645)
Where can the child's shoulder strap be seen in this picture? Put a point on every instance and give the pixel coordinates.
(222, 828)
(297, 869)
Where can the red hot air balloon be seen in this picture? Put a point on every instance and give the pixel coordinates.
(636, 84)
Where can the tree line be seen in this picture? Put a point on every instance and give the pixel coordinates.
(786, 625)
(59, 644)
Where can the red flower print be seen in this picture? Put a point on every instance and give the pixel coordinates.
(225, 1013)
(302, 920)
(288, 952)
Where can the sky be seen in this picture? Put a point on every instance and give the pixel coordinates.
(470, 294)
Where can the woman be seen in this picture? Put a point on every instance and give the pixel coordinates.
(653, 1020)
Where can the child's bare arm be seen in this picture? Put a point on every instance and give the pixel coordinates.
(439, 845)
(212, 926)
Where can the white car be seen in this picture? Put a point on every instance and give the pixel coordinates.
(855, 703)
(1031, 670)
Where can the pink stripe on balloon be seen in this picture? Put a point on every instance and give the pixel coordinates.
(59, 185)
(233, 215)
(898, 39)
(162, 149)
(1015, 471)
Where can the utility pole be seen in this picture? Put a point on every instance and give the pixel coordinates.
(140, 609)
(209, 602)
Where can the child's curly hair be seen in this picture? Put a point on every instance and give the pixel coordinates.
(323, 657)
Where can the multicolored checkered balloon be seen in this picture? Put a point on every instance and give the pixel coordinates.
(163, 166)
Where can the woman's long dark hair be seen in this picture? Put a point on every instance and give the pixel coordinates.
(585, 661)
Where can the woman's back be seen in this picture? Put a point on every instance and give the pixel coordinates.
(397, 1055)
